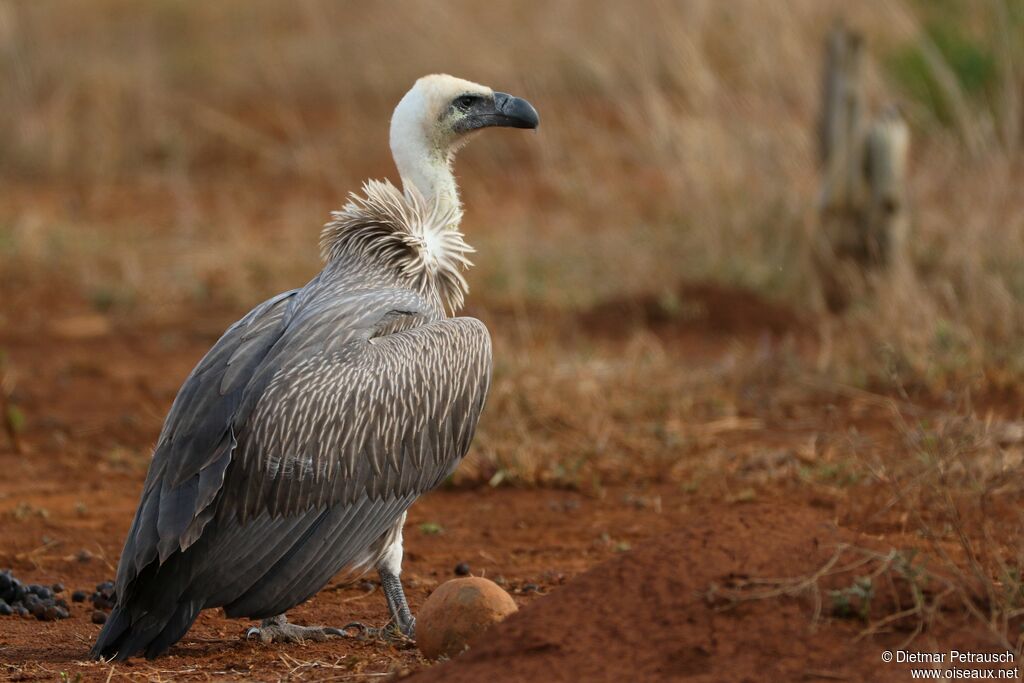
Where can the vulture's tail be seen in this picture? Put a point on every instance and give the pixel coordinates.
(150, 634)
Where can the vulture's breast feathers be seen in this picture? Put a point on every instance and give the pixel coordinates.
(418, 238)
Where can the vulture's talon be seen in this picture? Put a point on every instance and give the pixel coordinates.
(366, 633)
(388, 634)
(363, 632)
(278, 630)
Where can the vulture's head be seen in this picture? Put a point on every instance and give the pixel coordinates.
(437, 117)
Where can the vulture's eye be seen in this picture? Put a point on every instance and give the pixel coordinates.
(466, 101)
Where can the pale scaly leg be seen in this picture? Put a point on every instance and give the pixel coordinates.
(402, 625)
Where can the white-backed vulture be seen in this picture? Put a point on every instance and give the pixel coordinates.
(296, 445)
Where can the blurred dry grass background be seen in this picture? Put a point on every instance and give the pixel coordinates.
(162, 160)
(171, 153)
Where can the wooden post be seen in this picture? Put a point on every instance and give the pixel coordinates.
(863, 206)
(841, 126)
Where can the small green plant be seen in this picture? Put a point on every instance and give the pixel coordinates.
(16, 419)
(431, 528)
(854, 601)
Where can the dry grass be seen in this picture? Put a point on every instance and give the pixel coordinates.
(172, 154)
(950, 506)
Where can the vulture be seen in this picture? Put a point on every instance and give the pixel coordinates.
(297, 444)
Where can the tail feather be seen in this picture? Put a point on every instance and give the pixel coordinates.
(113, 632)
(122, 638)
(175, 629)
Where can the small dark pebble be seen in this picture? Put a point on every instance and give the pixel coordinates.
(17, 591)
(5, 609)
(57, 588)
(21, 611)
(105, 596)
(462, 569)
(42, 591)
(100, 601)
(79, 596)
(531, 588)
(53, 613)
(99, 617)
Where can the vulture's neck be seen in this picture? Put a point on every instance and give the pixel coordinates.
(430, 172)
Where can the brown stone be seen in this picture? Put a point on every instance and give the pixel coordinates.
(457, 612)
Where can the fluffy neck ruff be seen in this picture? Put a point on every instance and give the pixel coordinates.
(417, 238)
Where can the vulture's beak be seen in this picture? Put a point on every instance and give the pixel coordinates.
(503, 111)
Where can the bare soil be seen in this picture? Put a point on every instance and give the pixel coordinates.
(614, 582)
(653, 614)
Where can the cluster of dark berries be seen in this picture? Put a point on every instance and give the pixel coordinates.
(33, 599)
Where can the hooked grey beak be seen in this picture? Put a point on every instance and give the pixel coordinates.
(503, 110)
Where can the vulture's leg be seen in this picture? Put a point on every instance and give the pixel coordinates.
(401, 616)
(389, 567)
(278, 630)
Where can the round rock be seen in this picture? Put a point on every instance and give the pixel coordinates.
(457, 612)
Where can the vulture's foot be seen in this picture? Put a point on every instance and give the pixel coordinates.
(278, 630)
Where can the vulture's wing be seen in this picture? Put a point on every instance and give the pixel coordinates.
(194, 434)
(356, 405)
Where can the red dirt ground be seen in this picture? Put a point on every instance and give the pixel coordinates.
(96, 398)
(648, 615)
(701, 307)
